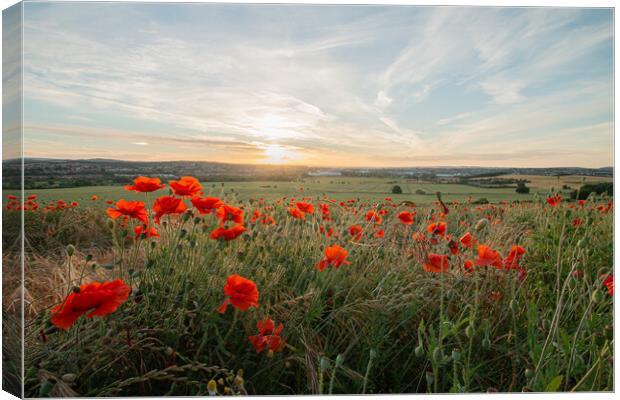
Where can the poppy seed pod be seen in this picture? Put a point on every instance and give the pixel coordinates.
(70, 250)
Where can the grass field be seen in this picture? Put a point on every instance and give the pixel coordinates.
(338, 188)
(373, 296)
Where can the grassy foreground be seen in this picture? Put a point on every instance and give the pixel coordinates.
(386, 323)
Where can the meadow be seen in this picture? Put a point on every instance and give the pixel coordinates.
(340, 188)
(314, 287)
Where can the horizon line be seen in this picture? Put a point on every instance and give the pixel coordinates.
(298, 165)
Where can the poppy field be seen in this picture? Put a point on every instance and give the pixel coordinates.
(193, 291)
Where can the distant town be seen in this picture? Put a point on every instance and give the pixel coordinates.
(42, 173)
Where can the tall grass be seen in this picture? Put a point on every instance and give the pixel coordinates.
(379, 325)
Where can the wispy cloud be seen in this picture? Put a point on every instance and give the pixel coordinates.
(367, 86)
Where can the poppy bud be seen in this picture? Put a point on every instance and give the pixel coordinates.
(324, 363)
(89, 257)
(529, 374)
(419, 350)
(169, 351)
(70, 250)
(513, 305)
(212, 387)
(437, 355)
(469, 331)
(373, 354)
(197, 220)
(182, 233)
(486, 343)
(597, 296)
(456, 355)
(339, 360)
(429, 378)
(481, 224)
(581, 243)
(68, 378)
(75, 289)
(111, 223)
(446, 327)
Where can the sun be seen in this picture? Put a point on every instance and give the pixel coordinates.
(276, 154)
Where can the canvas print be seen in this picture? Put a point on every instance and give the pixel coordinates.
(205, 199)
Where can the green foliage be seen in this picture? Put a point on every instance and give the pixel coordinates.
(397, 189)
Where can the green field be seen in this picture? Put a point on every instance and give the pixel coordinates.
(340, 188)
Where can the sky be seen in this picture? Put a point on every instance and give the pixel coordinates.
(339, 86)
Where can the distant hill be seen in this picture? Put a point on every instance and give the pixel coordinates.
(55, 173)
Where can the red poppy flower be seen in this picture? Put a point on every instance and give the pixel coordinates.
(554, 200)
(577, 222)
(166, 205)
(356, 232)
(468, 265)
(133, 209)
(228, 234)
(373, 216)
(487, 256)
(436, 263)
(268, 335)
(454, 247)
(406, 217)
(11, 197)
(242, 293)
(74, 204)
(268, 220)
(296, 213)
(334, 256)
(609, 284)
(511, 262)
(229, 213)
(99, 298)
(467, 240)
(109, 201)
(205, 205)
(329, 232)
(388, 199)
(145, 185)
(379, 233)
(305, 207)
(437, 228)
(151, 232)
(94, 198)
(187, 186)
(581, 202)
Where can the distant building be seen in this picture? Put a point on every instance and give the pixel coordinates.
(325, 173)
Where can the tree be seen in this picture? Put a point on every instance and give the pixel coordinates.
(522, 189)
(598, 188)
(397, 189)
